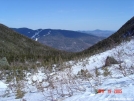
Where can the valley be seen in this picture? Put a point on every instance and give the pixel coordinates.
(67, 40)
(31, 71)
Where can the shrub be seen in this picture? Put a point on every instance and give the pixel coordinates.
(4, 62)
(106, 72)
(19, 93)
(97, 73)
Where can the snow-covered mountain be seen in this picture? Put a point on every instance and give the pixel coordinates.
(82, 80)
(104, 76)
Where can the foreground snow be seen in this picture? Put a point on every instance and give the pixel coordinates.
(68, 86)
(125, 84)
(123, 52)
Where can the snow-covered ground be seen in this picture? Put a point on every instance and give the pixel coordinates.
(66, 85)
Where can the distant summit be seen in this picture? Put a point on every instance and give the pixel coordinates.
(99, 33)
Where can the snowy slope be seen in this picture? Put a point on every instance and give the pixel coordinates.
(124, 52)
(66, 85)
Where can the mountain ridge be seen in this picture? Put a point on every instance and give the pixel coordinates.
(66, 40)
(98, 32)
(19, 47)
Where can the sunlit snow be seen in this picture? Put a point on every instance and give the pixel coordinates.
(77, 89)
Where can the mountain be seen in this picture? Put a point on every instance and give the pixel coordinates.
(100, 33)
(67, 40)
(106, 75)
(126, 31)
(19, 47)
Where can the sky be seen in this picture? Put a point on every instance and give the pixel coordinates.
(66, 14)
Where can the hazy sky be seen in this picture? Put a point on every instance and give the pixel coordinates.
(66, 14)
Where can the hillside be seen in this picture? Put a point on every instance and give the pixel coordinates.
(19, 47)
(66, 40)
(106, 74)
(87, 79)
(126, 31)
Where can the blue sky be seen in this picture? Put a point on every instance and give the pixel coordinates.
(66, 14)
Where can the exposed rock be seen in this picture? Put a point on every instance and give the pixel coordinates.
(110, 60)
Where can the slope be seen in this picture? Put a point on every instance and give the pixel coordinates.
(18, 47)
(70, 85)
(86, 79)
(126, 31)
